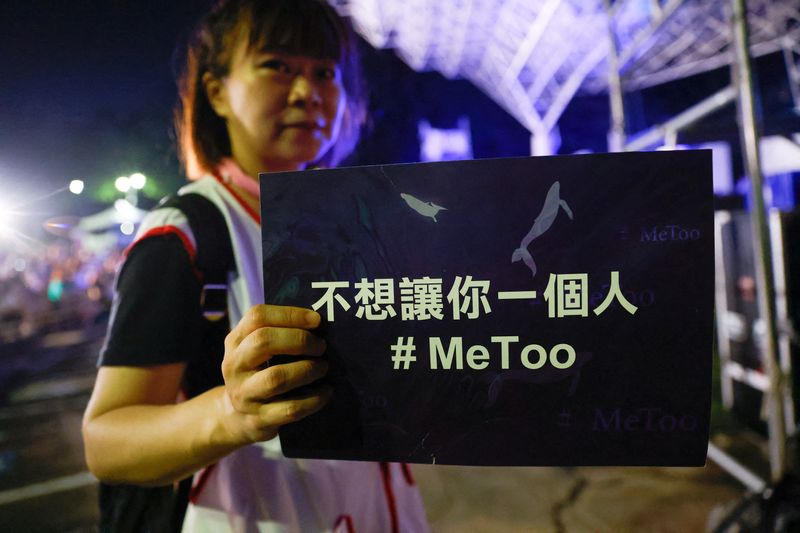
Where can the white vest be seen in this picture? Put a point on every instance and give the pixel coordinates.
(256, 488)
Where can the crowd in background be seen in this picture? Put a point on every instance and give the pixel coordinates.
(53, 287)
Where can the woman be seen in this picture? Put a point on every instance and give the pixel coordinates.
(268, 86)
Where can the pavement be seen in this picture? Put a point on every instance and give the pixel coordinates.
(44, 485)
(574, 499)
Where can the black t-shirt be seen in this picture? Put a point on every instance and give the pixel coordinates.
(156, 317)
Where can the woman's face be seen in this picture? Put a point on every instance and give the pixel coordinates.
(282, 110)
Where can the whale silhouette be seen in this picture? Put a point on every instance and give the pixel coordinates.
(541, 225)
(428, 209)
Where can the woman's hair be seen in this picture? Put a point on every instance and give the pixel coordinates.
(303, 27)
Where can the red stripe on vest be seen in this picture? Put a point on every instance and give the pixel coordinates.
(245, 206)
(194, 494)
(166, 230)
(345, 519)
(390, 500)
(170, 230)
(407, 473)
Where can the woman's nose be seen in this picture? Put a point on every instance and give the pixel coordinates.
(304, 92)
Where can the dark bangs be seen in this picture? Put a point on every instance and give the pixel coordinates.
(309, 28)
(298, 28)
(313, 28)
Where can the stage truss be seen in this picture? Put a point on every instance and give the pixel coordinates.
(533, 56)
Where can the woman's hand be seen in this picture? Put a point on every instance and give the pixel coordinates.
(260, 398)
(134, 432)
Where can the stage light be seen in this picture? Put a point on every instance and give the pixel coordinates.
(76, 186)
(137, 181)
(123, 184)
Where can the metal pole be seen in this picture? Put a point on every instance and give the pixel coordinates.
(748, 130)
(777, 232)
(616, 134)
(683, 120)
(655, 10)
(721, 281)
(730, 465)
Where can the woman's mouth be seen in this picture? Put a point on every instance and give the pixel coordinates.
(304, 125)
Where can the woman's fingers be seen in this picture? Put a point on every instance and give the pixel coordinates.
(278, 413)
(263, 343)
(258, 396)
(275, 380)
(278, 316)
(263, 420)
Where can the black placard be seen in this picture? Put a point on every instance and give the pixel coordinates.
(608, 364)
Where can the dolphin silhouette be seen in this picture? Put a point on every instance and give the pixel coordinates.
(428, 209)
(540, 225)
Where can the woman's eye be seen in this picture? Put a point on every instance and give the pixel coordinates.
(277, 65)
(326, 73)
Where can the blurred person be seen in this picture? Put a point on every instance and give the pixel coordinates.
(15, 308)
(268, 86)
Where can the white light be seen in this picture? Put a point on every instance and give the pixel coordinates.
(126, 228)
(125, 209)
(671, 147)
(19, 264)
(137, 180)
(76, 186)
(6, 220)
(123, 184)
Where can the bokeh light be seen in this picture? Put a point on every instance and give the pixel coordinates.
(123, 184)
(137, 180)
(126, 210)
(126, 228)
(76, 186)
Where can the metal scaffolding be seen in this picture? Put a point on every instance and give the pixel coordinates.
(533, 56)
(686, 38)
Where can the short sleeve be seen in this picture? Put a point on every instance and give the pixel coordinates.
(155, 316)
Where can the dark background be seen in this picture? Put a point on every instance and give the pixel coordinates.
(87, 92)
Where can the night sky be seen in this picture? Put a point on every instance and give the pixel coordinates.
(87, 92)
(77, 57)
(74, 75)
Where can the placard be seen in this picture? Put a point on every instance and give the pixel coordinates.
(522, 311)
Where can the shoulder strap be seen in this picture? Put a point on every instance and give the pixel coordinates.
(214, 249)
(214, 261)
